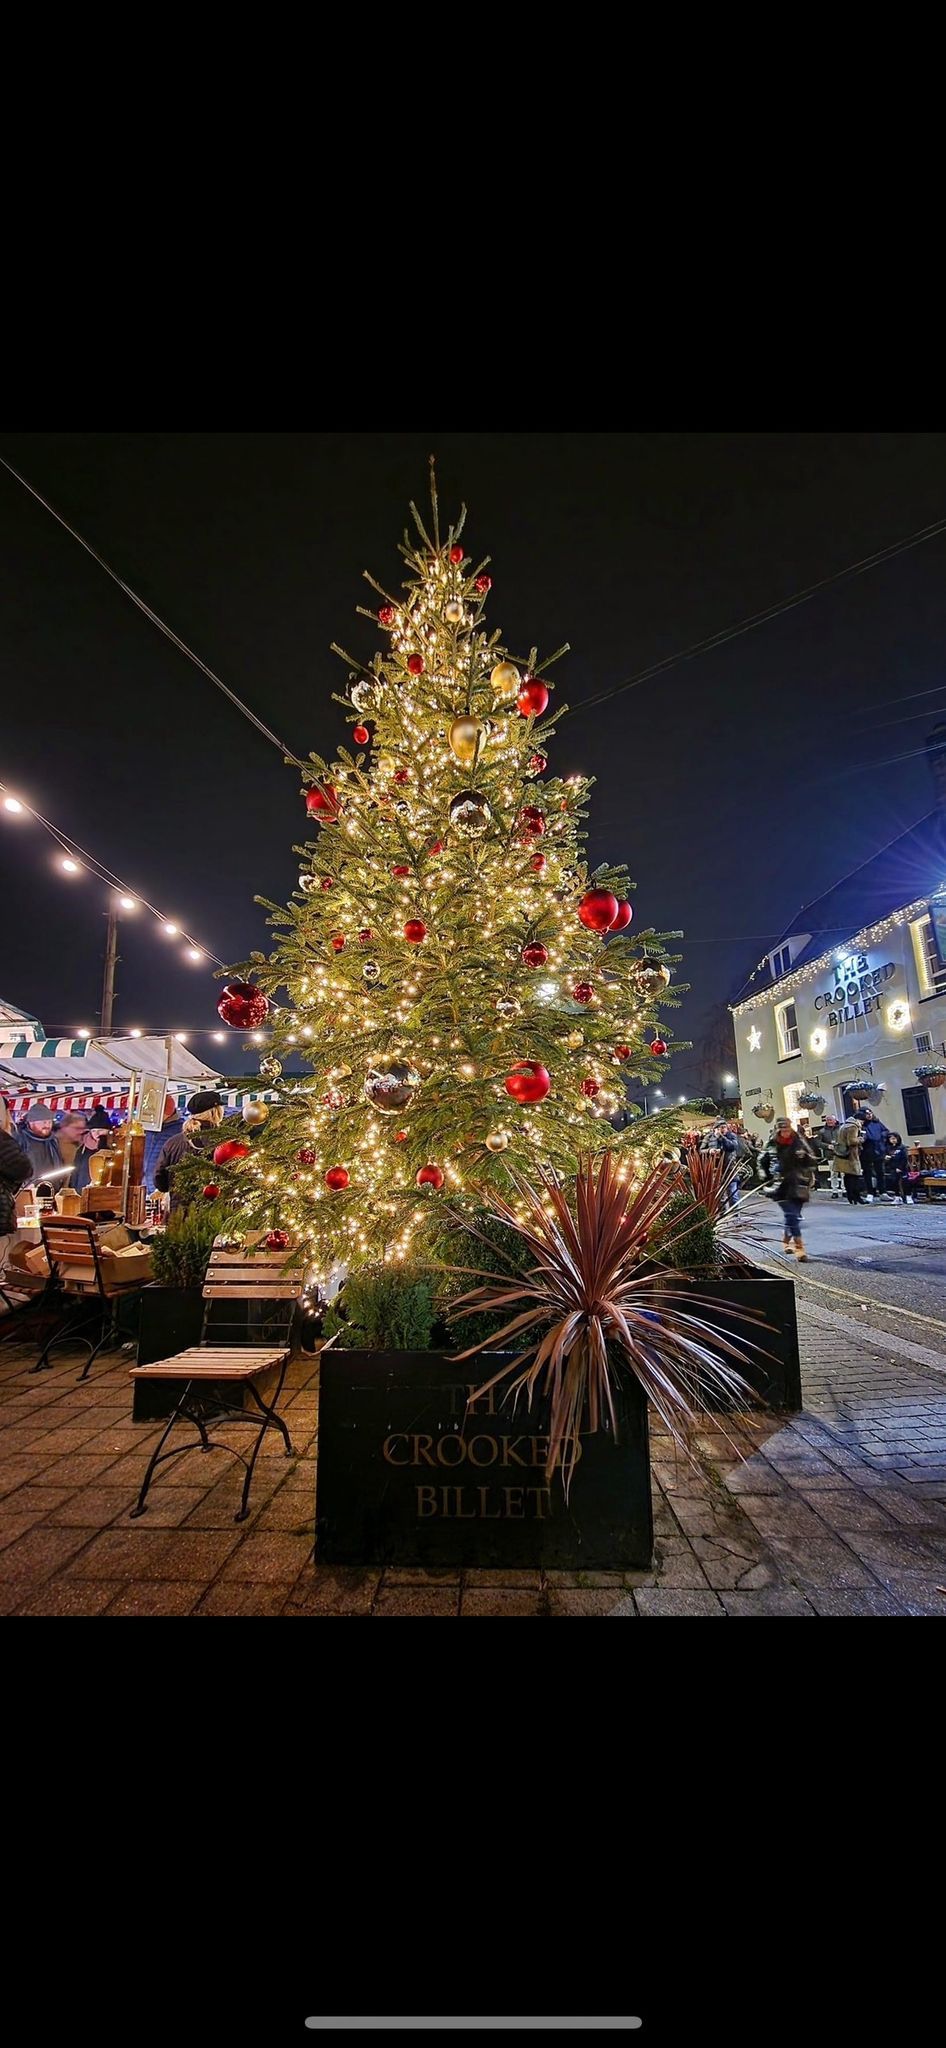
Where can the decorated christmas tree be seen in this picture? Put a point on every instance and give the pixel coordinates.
(467, 995)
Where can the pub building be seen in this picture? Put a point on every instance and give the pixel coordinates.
(853, 993)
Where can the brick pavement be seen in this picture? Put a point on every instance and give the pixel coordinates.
(838, 1511)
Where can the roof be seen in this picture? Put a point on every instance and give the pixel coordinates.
(906, 871)
(96, 1060)
(9, 1014)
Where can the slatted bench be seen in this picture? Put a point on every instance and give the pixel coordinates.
(207, 1372)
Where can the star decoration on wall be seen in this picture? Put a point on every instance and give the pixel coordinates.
(755, 1039)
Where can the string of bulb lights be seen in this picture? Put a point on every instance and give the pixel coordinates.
(76, 860)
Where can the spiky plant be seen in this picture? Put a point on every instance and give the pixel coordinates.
(596, 1310)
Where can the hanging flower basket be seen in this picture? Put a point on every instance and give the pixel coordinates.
(810, 1099)
(868, 1091)
(766, 1110)
(933, 1075)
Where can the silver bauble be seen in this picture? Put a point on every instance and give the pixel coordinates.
(651, 976)
(309, 884)
(470, 814)
(508, 1006)
(402, 808)
(270, 1067)
(391, 1086)
(370, 971)
(365, 694)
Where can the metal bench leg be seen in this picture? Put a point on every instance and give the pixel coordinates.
(64, 1333)
(109, 1335)
(180, 1415)
(270, 1420)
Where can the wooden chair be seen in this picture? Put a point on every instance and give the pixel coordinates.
(90, 1298)
(258, 1285)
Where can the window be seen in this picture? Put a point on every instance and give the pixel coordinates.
(917, 1114)
(786, 1024)
(781, 962)
(931, 974)
(924, 1041)
(801, 1118)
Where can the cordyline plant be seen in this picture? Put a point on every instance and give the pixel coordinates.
(597, 1308)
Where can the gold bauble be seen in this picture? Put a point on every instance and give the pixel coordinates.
(453, 611)
(465, 736)
(505, 680)
(255, 1113)
(573, 1039)
(386, 764)
(497, 1141)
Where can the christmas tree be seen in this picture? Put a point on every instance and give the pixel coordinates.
(468, 996)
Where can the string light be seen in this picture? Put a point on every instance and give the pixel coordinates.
(70, 867)
(814, 968)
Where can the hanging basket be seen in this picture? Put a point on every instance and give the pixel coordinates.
(810, 1099)
(933, 1076)
(766, 1110)
(868, 1091)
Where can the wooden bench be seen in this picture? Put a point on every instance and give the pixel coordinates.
(260, 1279)
(75, 1258)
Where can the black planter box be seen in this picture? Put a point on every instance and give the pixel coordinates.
(406, 1476)
(773, 1366)
(171, 1320)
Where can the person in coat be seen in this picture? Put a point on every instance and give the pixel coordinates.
(198, 1134)
(790, 1162)
(847, 1157)
(873, 1153)
(898, 1168)
(15, 1170)
(155, 1141)
(36, 1135)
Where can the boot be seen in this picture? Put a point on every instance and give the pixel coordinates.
(800, 1252)
(786, 1241)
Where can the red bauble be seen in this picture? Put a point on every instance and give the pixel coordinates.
(622, 1053)
(529, 1082)
(322, 802)
(538, 763)
(532, 699)
(400, 872)
(538, 863)
(277, 1241)
(456, 554)
(583, 992)
(229, 1150)
(535, 955)
(598, 910)
(337, 1177)
(365, 937)
(386, 615)
(437, 846)
(243, 1006)
(623, 919)
(591, 1087)
(400, 1137)
(415, 664)
(306, 1156)
(532, 821)
(415, 930)
(360, 735)
(658, 1046)
(210, 1192)
(430, 1176)
(326, 882)
(483, 584)
(338, 943)
(400, 774)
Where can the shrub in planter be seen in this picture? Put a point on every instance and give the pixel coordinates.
(180, 1253)
(383, 1308)
(685, 1237)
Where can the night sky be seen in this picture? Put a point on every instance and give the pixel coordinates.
(736, 787)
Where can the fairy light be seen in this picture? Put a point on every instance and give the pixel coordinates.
(12, 803)
(70, 867)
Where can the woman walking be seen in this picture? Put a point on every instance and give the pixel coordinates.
(790, 1162)
(847, 1153)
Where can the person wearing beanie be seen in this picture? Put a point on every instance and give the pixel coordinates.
(197, 1134)
(789, 1162)
(37, 1137)
(155, 1141)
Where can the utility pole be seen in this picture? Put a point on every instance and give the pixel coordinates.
(111, 962)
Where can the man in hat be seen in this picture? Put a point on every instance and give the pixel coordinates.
(198, 1134)
(155, 1141)
(36, 1136)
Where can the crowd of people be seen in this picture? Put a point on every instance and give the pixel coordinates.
(865, 1161)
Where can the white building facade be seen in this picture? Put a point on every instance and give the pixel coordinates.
(870, 1010)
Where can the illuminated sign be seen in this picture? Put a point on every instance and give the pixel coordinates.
(856, 992)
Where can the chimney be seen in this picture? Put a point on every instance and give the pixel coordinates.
(936, 756)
